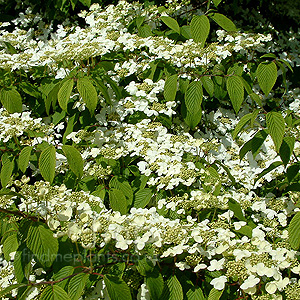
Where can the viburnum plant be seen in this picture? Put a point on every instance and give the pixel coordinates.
(152, 153)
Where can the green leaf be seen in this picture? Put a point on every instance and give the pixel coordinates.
(256, 99)
(171, 23)
(123, 185)
(52, 97)
(139, 21)
(145, 31)
(235, 90)
(170, 88)
(24, 158)
(10, 49)
(10, 244)
(86, 3)
(292, 171)
(75, 160)
(294, 232)
(240, 125)
(47, 163)
(145, 266)
(142, 198)
(6, 171)
(64, 93)
(257, 141)
(10, 288)
(273, 166)
(286, 149)
(117, 288)
(103, 90)
(195, 293)
(237, 210)
(76, 285)
(118, 201)
(11, 100)
(217, 2)
(88, 93)
(54, 292)
(172, 289)
(63, 273)
(193, 96)
(200, 29)
(276, 126)
(223, 21)
(266, 75)
(215, 294)
(41, 242)
(155, 284)
(186, 32)
(208, 85)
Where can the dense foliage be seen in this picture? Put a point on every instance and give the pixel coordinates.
(148, 152)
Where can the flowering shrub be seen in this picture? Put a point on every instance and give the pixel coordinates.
(146, 155)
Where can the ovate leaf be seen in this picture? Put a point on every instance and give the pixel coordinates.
(171, 23)
(88, 93)
(11, 287)
(118, 200)
(74, 160)
(286, 149)
(155, 284)
(77, 285)
(195, 293)
(294, 232)
(217, 2)
(193, 96)
(117, 288)
(6, 170)
(172, 289)
(24, 157)
(235, 90)
(273, 166)
(215, 294)
(11, 100)
(64, 93)
(208, 84)
(266, 75)
(10, 244)
(170, 88)
(47, 163)
(200, 29)
(243, 121)
(54, 292)
(64, 272)
(276, 126)
(223, 21)
(41, 242)
(142, 198)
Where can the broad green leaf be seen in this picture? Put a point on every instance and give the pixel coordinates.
(241, 124)
(235, 90)
(10, 244)
(294, 232)
(223, 22)
(193, 119)
(11, 100)
(63, 273)
(273, 166)
(194, 96)
(123, 185)
(208, 84)
(117, 288)
(155, 284)
(145, 31)
(54, 292)
(186, 32)
(145, 266)
(6, 171)
(142, 198)
(103, 90)
(266, 75)
(257, 141)
(10, 288)
(172, 289)
(245, 230)
(88, 93)
(217, 2)
(171, 23)
(170, 88)
(256, 98)
(24, 158)
(236, 69)
(47, 163)
(76, 285)
(215, 294)
(139, 21)
(52, 97)
(75, 160)
(41, 242)
(86, 3)
(118, 201)
(269, 55)
(292, 171)
(200, 29)
(236, 208)
(286, 63)
(64, 93)
(286, 149)
(276, 126)
(10, 49)
(114, 85)
(195, 293)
